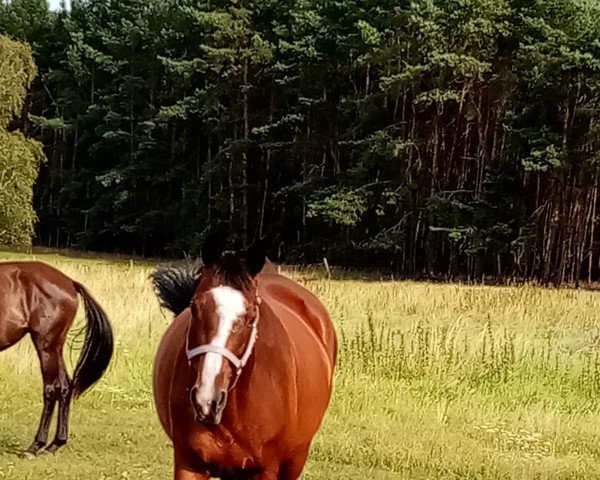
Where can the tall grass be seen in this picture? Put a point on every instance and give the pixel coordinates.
(433, 381)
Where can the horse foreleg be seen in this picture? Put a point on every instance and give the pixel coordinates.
(184, 471)
(64, 404)
(49, 365)
(269, 473)
(292, 469)
(184, 474)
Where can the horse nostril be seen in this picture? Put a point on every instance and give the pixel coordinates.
(219, 403)
(193, 395)
(222, 398)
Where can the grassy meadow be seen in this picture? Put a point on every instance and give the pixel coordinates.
(433, 381)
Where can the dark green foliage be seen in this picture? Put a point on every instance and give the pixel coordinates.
(455, 138)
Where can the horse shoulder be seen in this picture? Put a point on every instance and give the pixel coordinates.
(165, 369)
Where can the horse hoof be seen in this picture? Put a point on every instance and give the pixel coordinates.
(52, 448)
(28, 454)
(33, 450)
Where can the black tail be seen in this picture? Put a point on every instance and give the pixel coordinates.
(175, 286)
(97, 347)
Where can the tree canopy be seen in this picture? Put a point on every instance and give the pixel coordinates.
(457, 137)
(20, 157)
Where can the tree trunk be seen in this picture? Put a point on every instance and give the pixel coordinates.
(244, 166)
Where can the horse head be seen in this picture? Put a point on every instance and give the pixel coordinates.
(223, 326)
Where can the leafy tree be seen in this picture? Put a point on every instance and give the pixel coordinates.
(20, 157)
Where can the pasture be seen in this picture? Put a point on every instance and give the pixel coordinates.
(433, 381)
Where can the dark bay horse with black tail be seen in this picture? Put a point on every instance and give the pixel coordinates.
(243, 375)
(36, 298)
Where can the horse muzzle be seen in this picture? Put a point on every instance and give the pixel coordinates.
(208, 408)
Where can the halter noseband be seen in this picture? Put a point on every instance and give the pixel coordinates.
(237, 362)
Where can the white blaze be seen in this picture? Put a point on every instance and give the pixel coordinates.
(229, 304)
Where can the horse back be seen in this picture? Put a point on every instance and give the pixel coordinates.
(36, 283)
(284, 295)
(28, 273)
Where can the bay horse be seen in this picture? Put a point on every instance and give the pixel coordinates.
(38, 299)
(243, 375)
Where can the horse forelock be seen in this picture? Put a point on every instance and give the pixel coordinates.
(231, 271)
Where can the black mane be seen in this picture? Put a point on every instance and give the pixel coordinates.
(175, 286)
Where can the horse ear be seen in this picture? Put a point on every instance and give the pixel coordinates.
(212, 249)
(255, 257)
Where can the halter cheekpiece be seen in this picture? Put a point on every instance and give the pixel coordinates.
(236, 361)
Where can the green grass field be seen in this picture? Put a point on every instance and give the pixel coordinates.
(434, 381)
